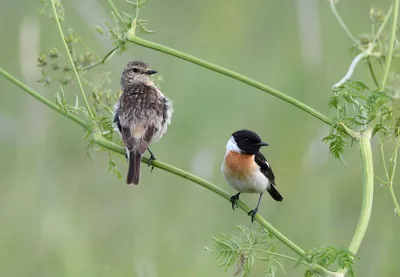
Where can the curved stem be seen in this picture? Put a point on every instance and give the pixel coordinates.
(393, 166)
(161, 48)
(186, 175)
(394, 199)
(44, 100)
(106, 57)
(70, 58)
(116, 12)
(98, 138)
(391, 44)
(340, 20)
(276, 254)
(367, 194)
(371, 70)
(383, 24)
(352, 66)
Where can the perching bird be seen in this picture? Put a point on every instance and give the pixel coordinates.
(142, 115)
(246, 169)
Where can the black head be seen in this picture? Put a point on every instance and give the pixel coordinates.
(136, 71)
(248, 142)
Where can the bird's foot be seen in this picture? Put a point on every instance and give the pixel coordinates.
(151, 159)
(233, 200)
(252, 213)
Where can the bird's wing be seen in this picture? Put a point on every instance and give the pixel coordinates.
(265, 168)
(146, 139)
(116, 118)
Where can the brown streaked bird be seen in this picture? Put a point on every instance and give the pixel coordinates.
(246, 169)
(141, 115)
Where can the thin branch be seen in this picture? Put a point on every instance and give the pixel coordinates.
(393, 170)
(44, 100)
(384, 160)
(161, 48)
(391, 44)
(70, 58)
(116, 12)
(371, 70)
(186, 175)
(166, 167)
(341, 22)
(353, 65)
(106, 57)
(276, 254)
(395, 202)
(385, 21)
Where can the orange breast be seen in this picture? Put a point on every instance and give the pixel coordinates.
(239, 165)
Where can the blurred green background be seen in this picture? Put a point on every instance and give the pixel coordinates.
(64, 215)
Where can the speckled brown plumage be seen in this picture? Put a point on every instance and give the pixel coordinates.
(142, 114)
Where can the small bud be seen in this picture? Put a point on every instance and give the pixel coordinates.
(66, 80)
(42, 60)
(53, 53)
(67, 68)
(364, 39)
(377, 16)
(99, 30)
(55, 66)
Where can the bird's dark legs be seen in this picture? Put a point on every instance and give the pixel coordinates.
(252, 213)
(152, 158)
(234, 198)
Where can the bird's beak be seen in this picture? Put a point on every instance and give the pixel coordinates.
(262, 144)
(151, 72)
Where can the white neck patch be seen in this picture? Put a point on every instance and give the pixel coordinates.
(232, 146)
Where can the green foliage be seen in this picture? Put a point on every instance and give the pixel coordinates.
(326, 257)
(55, 66)
(356, 108)
(242, 249)
(46, 10)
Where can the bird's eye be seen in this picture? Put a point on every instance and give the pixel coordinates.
(135, 69)
(246, 140)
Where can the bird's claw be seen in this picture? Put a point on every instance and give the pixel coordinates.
(233, 200)
(151, 159)
(252, 213)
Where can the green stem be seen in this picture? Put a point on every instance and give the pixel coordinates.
(70, 58)
(179, 172)
(340, 20)
(367, 194)
(276, 254)
(106, 57)
(385, 21)
(186, 175)
(161, 48)
(174, 170)
(391, 44)
(396, 204)
(371, 70)
(44, 100)
(393, 170)
(116, 12)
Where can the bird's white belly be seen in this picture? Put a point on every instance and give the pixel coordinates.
(252, 183)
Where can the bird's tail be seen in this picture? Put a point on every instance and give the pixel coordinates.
(274, 193)
(134, 168)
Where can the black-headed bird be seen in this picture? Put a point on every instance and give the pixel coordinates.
(246, 169)
(142, 115)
